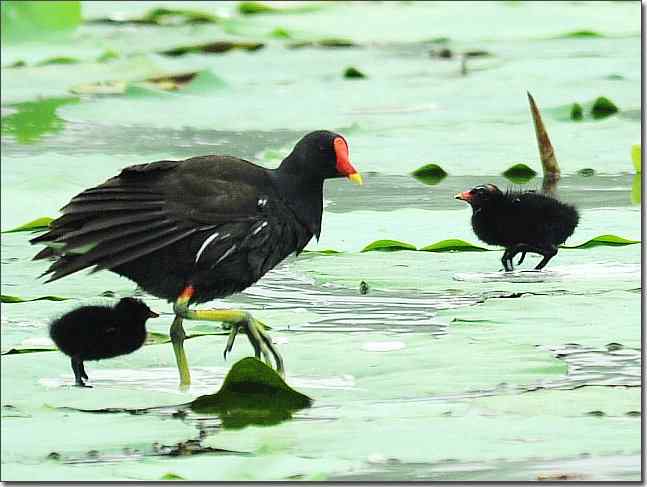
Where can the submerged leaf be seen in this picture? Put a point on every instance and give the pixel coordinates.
(453, 245)
(388, 246)
(252, 393)
(519, 173)
(603, 240)
(430, 174)
(35, 225)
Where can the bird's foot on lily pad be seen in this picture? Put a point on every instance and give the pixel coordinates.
(259, 338)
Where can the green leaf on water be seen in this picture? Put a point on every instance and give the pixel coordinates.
(430, 174)
(5, 298)
(388, 246)
(602, 108)
(327, 43)
(322, 252)
(580, 34)
(280, 33)
(255, 8)
(39, 224)
(353, 73)
(453, 245)
(171, 476)
(636, 189)
(27, 21)
(252, 393)
(636, 157)
(35, 119)
(217, 47)
(166, 16)
(577, 113)
(58, 60)
(519, 173)
(603, 240)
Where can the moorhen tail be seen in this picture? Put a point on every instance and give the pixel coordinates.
(520, 221)
(100, 332)
(202, 228)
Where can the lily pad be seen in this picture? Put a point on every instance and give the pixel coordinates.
(430, 174)
(353, 73)
(519, 173)
(4, 298)
(38, 224)
(252, 394)
(453, 245)
(636, 157)
(22, 21)
(35, 119)
(603, 240)
(388, 246)
(603, 108)
(255, 8)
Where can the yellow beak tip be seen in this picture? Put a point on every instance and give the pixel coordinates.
(356, 178)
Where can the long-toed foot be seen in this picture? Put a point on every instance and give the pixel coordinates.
(239, 320)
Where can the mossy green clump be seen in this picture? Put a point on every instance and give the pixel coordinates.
(519, 173)
(430, 174)
(603, 107)
(353, 73)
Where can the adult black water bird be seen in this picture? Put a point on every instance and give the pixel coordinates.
(520, 221)
(203, 228)
(100, 332)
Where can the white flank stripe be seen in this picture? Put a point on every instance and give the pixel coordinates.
(226, 254)
(207, 241)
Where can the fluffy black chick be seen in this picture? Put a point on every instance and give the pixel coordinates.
(520, 221)
(99, 332)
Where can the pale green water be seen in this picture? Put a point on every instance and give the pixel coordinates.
(437, 373)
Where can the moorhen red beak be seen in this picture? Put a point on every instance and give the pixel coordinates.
(199, 229)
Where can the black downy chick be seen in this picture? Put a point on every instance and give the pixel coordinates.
(99, 332)
(520, 221)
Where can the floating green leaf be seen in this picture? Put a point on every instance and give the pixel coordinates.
(636, 157)
(34, 20)
(280, 33)
(603, 240)
(35, 119)
(255, 8)
(430, 174)
(519, 173)
(636, 189)
(353, 73)
(163, 17)
(252, 393)
(38, 224)
(328, 43)
(388, 246)
(4, 298)
(453, 245)
(602, 108)
(58, 60)
(577, 113)
(171, 476)
(580, 34)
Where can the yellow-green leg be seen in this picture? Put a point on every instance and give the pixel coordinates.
(254, 329)
(177, 339)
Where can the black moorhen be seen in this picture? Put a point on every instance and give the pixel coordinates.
(99, 332)
(520, 221)
(203, 228)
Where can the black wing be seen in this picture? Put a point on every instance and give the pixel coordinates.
(151, 206)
